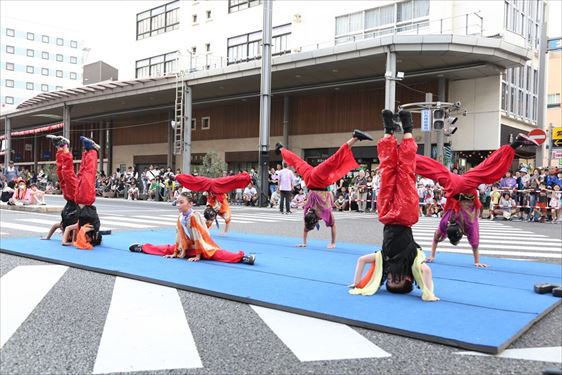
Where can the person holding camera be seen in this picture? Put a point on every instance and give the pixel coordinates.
(361, 189)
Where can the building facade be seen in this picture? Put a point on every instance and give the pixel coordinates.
(554, 88)
(35, 59)
(329, 76)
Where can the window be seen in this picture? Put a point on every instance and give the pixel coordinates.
(157, 65)
(553, 100)
(59, 73)
(520, 92)
(207, 47)
(45, 38)
(73, 59)
(29, 69)
(10, 49)
(209, 14)
(9, 83)
(58, 88)
(10, 32)
(158, 20)
(59, 57)
(30, 52)
(45, 71)
(236, 5)
(44, 87)
(193, 124)
(30, 36)
(9, 100)
(194, 18)
(29, 85)
(9, 66)
(60, 42)
(73, 44)
(45, 55)
(205, 123)
(523, 18)
(72, 75)
(388, 19)
(246, 47)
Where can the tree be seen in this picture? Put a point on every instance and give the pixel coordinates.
(213, 165)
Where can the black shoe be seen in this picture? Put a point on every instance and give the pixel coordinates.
(278, 147)
(361, 135)
(89, 144)
(249, 259)
(136, 248)
(58, 141)
(105, 232)
(388, 120)
(406, 120)
(545, 288)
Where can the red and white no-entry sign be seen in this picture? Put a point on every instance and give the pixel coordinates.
(538, 136)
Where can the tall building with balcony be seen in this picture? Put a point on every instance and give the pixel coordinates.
(36, 59)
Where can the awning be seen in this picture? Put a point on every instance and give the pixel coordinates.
(42, 129)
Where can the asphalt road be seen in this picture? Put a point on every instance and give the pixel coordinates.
(63, 332)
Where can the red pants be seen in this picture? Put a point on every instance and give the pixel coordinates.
(325, 173)
(397, 202)
(219, 255)
(80, 188)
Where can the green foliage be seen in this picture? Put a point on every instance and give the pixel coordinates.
(213, 165)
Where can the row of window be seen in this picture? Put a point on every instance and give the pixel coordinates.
(44, 38)
(205, 123)
(247, 47)
(158, 20)
(553, 100)
(236, 5)
(44, 54)
(523, 17)
(31, 85)
(208, 14)
(157, 65)
(398, 17)
(520, 87)
(44, 71)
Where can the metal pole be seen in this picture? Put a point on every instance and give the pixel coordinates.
(8, 143)
(186, 155)
(548, 142)
(286, 120)
(390, 84)
(109, 148)
(35, 153)
(442, 86)
(102, 145)
(265, 105)
(170, 153)
(427, 135)
(66, 121)
(541, 113)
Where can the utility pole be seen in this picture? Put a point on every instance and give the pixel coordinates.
(439, 132)
(427, 134)
(265, 103)
(541, 113)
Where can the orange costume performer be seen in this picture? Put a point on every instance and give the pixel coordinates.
(217, 188)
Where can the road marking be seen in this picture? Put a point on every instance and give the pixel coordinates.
(27, 228)
(21, 290)
(545, 354)
(521, 247)
(496, 240)
(312, 339)
(145, 330)
(501, 252)
(123, 224)
(40, 221)
(153, 220)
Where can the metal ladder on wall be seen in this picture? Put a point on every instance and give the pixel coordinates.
(179, 123)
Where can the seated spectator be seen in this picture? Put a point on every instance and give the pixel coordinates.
(507, 208)
(274, 199)
(37, 196)
(250, 195)
(155, 189)
(298, 200)
(133, 192)
(340, 204)
(8, 191)
(22, 195)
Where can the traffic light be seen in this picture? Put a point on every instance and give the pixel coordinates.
(438, 119)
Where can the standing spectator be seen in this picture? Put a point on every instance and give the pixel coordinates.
(361, 189)
(495, 197)
(508, 181)
(556, 203)
(272, 181)
(551, 178)
(11, 172)
(286, 180)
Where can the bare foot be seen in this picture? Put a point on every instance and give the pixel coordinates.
(301, 245)
(429, 259)
(331, 246)
(480, 265)
(66, 243)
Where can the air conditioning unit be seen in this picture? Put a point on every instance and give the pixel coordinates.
(297, 18)
(297, 49)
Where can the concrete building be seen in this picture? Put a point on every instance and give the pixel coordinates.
(329, 76)
(99, 72)
(554, 88)
(35, 59)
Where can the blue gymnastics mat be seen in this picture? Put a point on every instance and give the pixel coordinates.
(480, 309)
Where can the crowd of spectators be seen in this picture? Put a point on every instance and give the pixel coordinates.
(527, 194)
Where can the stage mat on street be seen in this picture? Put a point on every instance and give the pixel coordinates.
(480, 309)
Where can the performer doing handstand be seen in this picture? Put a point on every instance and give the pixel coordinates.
(462, 209)
(401, 259)
(217, 188)
(192, 239)
(320, 201)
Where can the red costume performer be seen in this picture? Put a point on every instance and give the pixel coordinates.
(217, 189)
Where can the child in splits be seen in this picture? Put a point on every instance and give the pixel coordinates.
(401, 260)
(192, 239)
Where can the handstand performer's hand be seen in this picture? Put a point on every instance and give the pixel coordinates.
(429, 259)
(331, 246)
(301, 245)
(194, 259)
(170, 256)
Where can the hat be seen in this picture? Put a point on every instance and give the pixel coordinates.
(523, 170)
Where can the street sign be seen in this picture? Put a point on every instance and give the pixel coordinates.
(538, 135)
(426, 120)
(556, 133)
(557, 143)
(557, 154)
